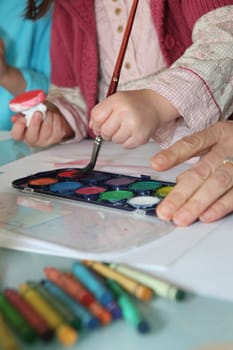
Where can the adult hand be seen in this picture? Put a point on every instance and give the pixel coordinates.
(204, 191)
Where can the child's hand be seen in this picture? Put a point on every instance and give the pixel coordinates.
(41, 133)
(130, 118)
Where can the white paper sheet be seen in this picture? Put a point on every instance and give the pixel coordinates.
(148, 243)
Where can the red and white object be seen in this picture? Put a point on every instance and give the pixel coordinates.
(29, 102)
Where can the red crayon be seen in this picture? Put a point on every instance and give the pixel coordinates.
(33, 318)
(95, 308)
(72, 287)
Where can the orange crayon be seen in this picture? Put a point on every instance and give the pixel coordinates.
(137, 289)
(72, 287)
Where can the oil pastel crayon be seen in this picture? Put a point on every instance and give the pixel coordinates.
(88, 320)
(114, 310)
(70, 286)
(7, 339)
(40, 326)
(95, 307)
(100, 312)
(129, 309)
(160, 287)
(17, 321)
(76, 290)
(88, 279)
(137, 289)
(66, 314)
(64, 332)
(112, 306)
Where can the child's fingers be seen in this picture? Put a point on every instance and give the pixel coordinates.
(99, 114)
(46, 134)
(19, 127)
(121, 136)
(110, 127)
(33, 130)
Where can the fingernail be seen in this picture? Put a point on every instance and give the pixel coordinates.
(165, 212)
(183, 218)
(159, 161)
(208, 216)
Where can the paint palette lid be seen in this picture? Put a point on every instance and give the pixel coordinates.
(27, 100)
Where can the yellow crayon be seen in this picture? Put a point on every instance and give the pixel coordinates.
(7, 339)
(65, 333)
(160, 287)
(139, 290)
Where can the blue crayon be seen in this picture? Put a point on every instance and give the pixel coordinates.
(115, 310)
(88, 320)
(91, 282)
(112, 306)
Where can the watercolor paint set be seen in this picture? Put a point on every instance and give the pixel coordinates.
(110, 190)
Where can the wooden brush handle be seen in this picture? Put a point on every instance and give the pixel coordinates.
(116, 73)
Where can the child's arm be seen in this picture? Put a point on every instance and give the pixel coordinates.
(199, 83)
(205, 191)
(198, 87)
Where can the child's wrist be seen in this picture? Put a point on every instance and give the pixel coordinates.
(165, 110)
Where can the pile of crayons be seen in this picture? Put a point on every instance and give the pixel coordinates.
(66, 303)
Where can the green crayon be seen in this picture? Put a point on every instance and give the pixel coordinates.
(129, 309)
(17, 321)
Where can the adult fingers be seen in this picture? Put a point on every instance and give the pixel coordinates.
(192, 196)
(221, 207)
(186, 148)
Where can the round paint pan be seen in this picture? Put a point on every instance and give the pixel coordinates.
(65, 187)
(116, 197)
(143, 202)
(42, 182)
(144, 188)
(95, 178)
(162, 192)
(90, 192)
(69, 175)
(119, 183)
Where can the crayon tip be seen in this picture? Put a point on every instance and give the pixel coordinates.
(67, 335)
(146, 294)
(115, 310)
(180, 295)
(143, 327)
(23, 288)
(93, 323)
(48, 335)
